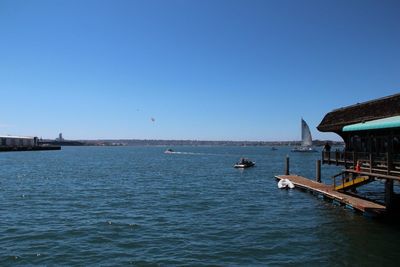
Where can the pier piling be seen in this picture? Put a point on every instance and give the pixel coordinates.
(287, 165)
(318, 170)
(389, 194)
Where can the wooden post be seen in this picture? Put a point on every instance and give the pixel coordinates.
(318, 170)
(334, 182)
(388, 162)
(287, 165)
(389, 193)
(370, 162)
(342, 181)
(337, 157)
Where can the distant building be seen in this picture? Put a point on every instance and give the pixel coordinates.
(60, 137)
(10, 143)
(18, 141)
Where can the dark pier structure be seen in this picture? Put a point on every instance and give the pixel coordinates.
(371, 132)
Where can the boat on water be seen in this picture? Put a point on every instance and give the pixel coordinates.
(306, 139)
(285, 184)
(169, 151)
(244, 163)
(274, 148)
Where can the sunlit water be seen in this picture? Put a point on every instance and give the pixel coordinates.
(136, 205)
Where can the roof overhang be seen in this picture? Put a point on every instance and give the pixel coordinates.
(377, 109)
(391, 122)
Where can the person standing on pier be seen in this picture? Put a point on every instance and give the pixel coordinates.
(327, 147)
(327, 150)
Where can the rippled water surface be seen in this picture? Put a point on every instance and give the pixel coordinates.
(136, 205)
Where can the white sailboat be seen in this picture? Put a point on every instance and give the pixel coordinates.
(306, 140)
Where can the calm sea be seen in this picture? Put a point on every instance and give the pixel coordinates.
(137, 206)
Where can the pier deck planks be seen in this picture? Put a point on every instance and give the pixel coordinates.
(328, 191)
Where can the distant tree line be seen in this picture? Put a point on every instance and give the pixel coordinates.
(149, 142)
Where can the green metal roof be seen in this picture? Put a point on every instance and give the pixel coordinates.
(391, 122)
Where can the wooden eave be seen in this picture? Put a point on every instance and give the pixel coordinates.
(335, 120)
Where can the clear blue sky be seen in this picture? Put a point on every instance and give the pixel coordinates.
(209, 69)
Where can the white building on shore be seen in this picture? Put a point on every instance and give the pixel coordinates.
(18, 141)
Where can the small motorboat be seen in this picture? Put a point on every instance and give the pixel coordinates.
(244, 163)
(169, 151)
(273, 148)
(303, 149)
(285, 184)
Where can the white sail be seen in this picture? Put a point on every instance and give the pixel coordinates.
(306, 140)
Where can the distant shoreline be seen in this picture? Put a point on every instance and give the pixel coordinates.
(144, 142)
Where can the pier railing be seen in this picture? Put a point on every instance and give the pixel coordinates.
(373, 163)
(347, 180)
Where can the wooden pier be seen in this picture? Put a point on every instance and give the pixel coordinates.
(366, 207)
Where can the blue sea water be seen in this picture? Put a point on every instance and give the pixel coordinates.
(114, 206)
